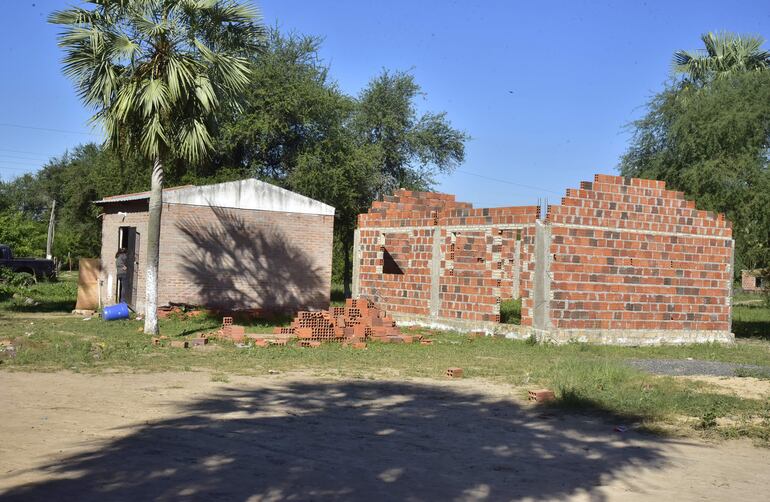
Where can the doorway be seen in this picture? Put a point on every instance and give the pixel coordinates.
(128, 241)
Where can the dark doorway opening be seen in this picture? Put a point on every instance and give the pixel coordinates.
(128, 242)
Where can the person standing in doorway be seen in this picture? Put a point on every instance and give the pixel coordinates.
(121, 264)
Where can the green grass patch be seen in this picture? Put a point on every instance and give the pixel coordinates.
(751, 321)
(43, 296)
(584, 377)
(510, 311)
(337, 295)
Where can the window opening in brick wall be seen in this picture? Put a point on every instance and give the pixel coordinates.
(390, 265)
(510, 311)
(395, 253)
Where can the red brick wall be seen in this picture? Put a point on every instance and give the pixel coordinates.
(623, 254)
(527, 275)
(749, 280)
(629, 254)
(232, 258)
(477, 263)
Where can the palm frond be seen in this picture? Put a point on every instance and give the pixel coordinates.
(154, 138)
(180, 73)
(74, 15)
(194, 141)
(723, 55)
(154, 98)
(123, 47)
(205, 94)
(156, 71)
(125, 101)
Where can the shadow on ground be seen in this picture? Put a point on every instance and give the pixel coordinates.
(349, 441)
(752, 329)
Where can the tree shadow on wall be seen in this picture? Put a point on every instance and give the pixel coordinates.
(242, 265)
(351, 440)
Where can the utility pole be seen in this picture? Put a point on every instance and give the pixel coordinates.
(51, 226)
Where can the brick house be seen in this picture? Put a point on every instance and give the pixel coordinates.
(620, 260)
(751, 280)
(238, 245)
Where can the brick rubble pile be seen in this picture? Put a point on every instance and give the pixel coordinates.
(358, 321)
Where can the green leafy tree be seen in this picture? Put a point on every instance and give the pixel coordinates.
(294, 130)
(723, 55)
(712, 142)
(289, 108)
(26, 237)
(411, 149)
(299, 130)
(156, 72)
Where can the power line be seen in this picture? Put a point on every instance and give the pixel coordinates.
(19, 151)
(16, 169)
(38, 159)
(531, 187)
(19, 163)
(65, 131)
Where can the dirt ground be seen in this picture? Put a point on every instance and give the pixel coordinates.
(752, 388)
(66, 436)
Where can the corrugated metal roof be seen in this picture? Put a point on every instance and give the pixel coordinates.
(134, 196)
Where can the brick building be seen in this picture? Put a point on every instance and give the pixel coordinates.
(618, 261)
(751, 280)
(237, 245)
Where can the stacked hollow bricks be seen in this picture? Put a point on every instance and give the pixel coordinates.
(628, 254)
(623, 253)
(357, 321)
(478, 247)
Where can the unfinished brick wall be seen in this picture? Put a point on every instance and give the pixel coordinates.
(627, 254)
(426, 255)
(618, 261)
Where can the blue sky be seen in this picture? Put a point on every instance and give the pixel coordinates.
(544, 88)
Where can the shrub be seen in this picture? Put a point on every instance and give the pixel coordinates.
(765, 276)
(510, 311)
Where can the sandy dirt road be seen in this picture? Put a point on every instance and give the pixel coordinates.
(173, 436)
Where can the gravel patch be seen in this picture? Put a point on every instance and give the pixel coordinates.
(686, 367)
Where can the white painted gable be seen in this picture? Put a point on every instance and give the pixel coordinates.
(247, 194)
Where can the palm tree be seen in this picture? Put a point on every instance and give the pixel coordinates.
(724, 54)
(155, 72)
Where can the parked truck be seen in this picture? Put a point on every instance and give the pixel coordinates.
(38, 267)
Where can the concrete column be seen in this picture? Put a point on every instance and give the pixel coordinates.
(356, 263)
(542, 280)
(516, 293)
(730, 276)
(435, 273)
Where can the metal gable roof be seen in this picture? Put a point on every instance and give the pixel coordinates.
(242, 194)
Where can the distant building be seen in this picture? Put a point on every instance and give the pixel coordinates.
(237, 245)
(751, 280)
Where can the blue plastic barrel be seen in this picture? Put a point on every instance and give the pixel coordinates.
(114, 312)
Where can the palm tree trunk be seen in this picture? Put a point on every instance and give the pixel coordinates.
(153, 250)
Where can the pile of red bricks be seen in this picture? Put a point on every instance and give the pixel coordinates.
(356, 322)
